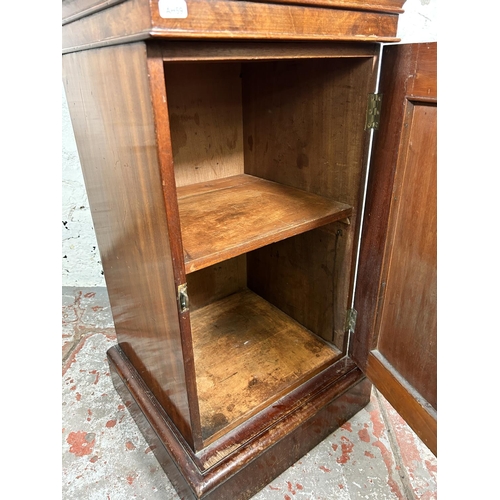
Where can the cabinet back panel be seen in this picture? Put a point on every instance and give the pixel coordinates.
(304, 276)
(204, 102)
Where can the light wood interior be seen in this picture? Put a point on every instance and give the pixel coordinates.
(268, 161)
(205, 112)
(227, 217)
(247, 354)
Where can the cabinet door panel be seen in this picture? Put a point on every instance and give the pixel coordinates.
(397, 296)
(407, 332)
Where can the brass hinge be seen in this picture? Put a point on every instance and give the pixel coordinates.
(182, 298)
(350, 320)
(373, 111)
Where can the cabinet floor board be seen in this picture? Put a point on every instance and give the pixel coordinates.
(247, 354)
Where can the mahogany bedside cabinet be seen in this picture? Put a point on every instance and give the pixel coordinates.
(262, 182)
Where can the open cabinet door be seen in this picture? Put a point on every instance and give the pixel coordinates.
(395, 340)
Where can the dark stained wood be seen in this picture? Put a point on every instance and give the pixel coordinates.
(180, 51)
(396, 299)
(109, 99)
(424, 84)
(247, 355)
(149, 416)
(309, 426)
(343, 276)
(408, 319)
(244, 434)
(75, 9)
(215, 158)
(162, 120)
(225, 218)
(394, 86)
(166, 164)
(243, 19)
(223, 19)
(125, 22)
(393, 6)
(408, 402)
(243, 470)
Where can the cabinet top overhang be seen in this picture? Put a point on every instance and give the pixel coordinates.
(94, 23)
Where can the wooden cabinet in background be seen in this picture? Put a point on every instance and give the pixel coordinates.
(225, 156)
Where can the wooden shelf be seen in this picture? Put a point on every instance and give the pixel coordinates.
(248, 354)
(228, 217)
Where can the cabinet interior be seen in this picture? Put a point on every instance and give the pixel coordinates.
(268, 159)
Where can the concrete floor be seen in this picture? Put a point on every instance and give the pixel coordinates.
(104, 456)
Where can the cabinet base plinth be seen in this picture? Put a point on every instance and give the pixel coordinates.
(250, 465)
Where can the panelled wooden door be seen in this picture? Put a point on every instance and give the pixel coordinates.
(396, 298)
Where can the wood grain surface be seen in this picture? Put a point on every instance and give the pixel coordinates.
(205, 112)
(124, 22)
(242, 173)
(224, 51)
(394, 6)
(108, 94)
(228, 217)
(135, 20)
(396, 331)
(75, 9)
(408, 321)
(156, 77)
(216, 282)
(276, 444)
(304, 127)
(247, 19)
(247, 354)
(304, 123)
(424, 84)
(416, 410)
(303, 276)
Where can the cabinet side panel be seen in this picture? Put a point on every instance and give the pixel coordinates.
(110, 105)
(303, 124)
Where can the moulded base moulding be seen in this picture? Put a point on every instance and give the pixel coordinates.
(245, 467)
